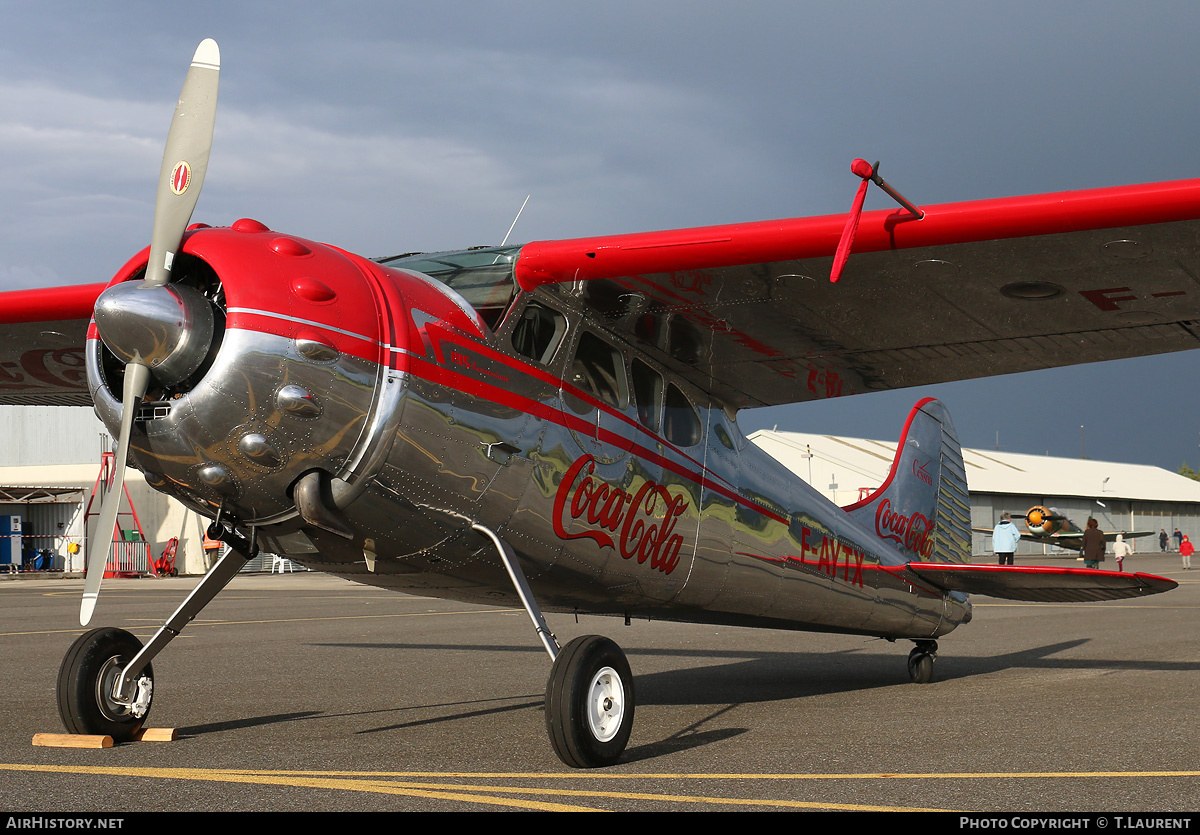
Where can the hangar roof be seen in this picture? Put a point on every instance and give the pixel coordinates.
(987, 472)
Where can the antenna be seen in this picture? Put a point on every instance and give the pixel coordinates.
(515, 219)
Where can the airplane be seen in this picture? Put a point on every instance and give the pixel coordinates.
(554, 425)
(1049, 527)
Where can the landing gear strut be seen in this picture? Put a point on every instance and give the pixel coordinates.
(589, 696)
(920, 661)
(105, 684)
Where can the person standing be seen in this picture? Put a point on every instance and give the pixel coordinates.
(1005, 538)
(1093, 545)
(1121, 550)
(1178, 538)
(1185, 551)
(1162, 540)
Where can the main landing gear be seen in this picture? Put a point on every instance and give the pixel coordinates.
(106, 683)
(589, 695)
(88, 700)
(589, 702)
(920, 661)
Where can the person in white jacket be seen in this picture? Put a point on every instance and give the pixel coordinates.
(1004, 539)
(1121, 550)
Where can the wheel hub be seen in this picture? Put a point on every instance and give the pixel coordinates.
(107, 697)
(606, 698)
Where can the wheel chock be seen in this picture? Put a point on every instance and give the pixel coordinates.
(102, 741)
(73, 740)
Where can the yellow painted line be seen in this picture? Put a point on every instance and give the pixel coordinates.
(365, 782)
(869, 775)
(208, 622)
(1099, 604)
(301, 782)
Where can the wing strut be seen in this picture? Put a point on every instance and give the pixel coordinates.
(868, 173)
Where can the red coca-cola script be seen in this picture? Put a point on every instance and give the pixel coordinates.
(639, 526)
(50, 367)
(914, 532)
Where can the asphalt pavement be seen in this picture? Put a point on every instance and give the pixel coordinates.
(302, 692)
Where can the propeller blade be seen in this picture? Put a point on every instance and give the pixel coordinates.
(137, 379)
(185, 160)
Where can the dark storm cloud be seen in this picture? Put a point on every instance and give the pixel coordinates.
(385, 127)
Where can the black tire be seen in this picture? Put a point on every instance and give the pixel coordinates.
(920, 666)
(589, 703)
(85, 681)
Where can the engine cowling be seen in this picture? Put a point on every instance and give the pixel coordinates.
(302, 369)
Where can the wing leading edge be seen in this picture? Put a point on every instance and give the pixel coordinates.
(42, 336)
(1041, 584)
(747, 311)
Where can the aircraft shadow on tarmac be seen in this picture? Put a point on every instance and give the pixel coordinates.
(757, 675)
(734, 678)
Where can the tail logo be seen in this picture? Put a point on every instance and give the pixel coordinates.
(922, 473)
(914, 532)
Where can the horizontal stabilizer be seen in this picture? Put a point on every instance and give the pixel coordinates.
(1041, 584)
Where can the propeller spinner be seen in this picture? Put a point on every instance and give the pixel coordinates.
(159, 330)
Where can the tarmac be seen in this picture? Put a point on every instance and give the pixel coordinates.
(303, 692)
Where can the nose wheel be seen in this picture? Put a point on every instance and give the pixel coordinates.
(589, 702)
(86, 680)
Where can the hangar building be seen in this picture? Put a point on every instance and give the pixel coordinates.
(1132, 497)
(49, 465)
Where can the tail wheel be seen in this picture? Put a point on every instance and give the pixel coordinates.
(589, 703)
(920, 665)
(89, 670)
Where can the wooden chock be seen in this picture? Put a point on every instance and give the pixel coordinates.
(73, 740)
(157, 735)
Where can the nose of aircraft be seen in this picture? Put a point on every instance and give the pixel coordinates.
(168, 328)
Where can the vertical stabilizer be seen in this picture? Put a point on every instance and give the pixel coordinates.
(922, 508)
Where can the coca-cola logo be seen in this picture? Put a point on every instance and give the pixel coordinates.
(922, 473)
(61, 367)
(639, 526)
(914, 532)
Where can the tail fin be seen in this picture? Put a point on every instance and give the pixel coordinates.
(923, 507)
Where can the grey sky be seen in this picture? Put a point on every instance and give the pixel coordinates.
(386, 127)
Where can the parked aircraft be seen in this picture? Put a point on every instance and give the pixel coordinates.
(1049, 527)
(554, 424)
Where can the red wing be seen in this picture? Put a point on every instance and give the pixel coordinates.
(42, 336)
(1044, 585)
(748, 313)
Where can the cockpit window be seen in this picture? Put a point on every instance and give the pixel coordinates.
(538, 332)
(484, 276)
(599, 370)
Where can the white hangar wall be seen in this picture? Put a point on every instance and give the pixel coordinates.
(49, 463)
(1120, 496)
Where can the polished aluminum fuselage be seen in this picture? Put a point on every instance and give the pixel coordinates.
(425, 421)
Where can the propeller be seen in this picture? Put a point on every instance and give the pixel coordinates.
(160, 331)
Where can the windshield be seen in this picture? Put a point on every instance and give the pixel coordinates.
(483, 276)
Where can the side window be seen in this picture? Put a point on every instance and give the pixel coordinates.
(681, 424)
(648, 392)
(599, 370)
(538, 332)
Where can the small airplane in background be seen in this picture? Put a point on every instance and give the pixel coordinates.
(1049, 527)
(555, 424)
